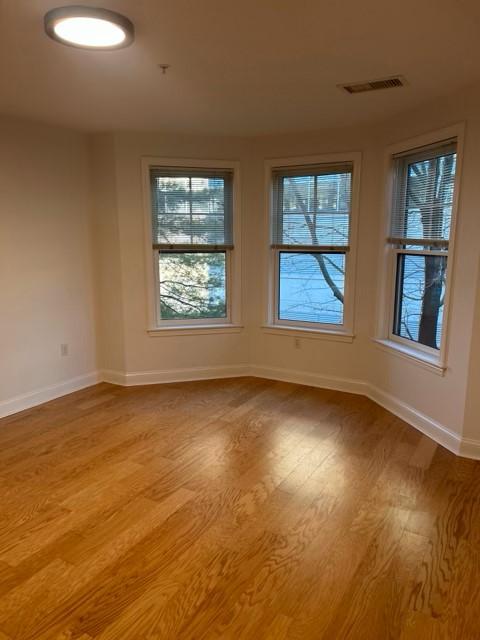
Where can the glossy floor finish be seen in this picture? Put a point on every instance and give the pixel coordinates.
(233, 509)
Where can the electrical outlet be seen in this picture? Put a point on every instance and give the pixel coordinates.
(297, 343)
(64, 349)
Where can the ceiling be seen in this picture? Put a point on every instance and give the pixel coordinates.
(243, 68)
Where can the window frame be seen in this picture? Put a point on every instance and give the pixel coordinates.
(272, 321)
(232, 321)
(434, 359)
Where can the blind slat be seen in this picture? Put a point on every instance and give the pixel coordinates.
(423, 194)
(194, 248)
(311, 206)
(191, 207)
(313, 248)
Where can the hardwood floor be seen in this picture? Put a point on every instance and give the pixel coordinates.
(233, 509)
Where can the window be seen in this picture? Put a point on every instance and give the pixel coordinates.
(310, 241)
(192, 243)
(421, 220)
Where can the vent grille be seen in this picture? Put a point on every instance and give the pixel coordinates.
(374, 85)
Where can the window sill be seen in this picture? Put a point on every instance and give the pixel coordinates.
(430, 363)
(303, 332)
(194, 330)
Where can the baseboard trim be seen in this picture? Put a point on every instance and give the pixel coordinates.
(348, 385)
(113, 377)
(45, 394)
(470, 448)
(429, 427)
(136, 378)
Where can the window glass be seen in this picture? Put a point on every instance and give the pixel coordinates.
(192, 285)
(311, 287)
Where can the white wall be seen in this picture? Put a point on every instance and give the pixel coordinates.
(107, 263)
(471, 431)
(45, 261)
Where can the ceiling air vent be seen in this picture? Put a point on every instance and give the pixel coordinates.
(374, 85)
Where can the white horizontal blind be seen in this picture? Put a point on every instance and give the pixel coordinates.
(423, 196)
(312, 207)
(191, 208)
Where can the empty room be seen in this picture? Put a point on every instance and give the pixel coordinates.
(239, 320)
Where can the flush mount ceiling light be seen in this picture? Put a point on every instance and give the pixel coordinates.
(89, 27)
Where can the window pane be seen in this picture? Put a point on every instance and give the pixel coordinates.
(311, 287)
(192, 285)
(423, 198)
(430, 197)
(316, 209)
(191, 209)
(420, 298)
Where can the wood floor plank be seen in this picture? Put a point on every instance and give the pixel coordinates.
(424, 453)
(71, 582)
(254, 610)
(278, 630)
(233, 509)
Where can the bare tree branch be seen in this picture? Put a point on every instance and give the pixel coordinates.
(318, 256)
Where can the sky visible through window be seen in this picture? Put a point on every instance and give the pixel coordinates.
(304, 294)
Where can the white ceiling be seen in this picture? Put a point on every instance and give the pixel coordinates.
(241, 67)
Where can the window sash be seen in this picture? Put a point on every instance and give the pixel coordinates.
(401, 242)
(202, 321)
(194, 220)
(432, 235)
(322, 215)
(396, 307)
(326, 326)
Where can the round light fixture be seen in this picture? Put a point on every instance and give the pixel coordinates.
(89, 28)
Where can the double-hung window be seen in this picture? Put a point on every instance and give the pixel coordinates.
(311, 229)
(420, 228)
(192, 244)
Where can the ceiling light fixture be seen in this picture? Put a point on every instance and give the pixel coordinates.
(89, 27)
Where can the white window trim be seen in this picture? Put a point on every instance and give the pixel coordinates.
(426, 357)
(345, 331)
(230, 324)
